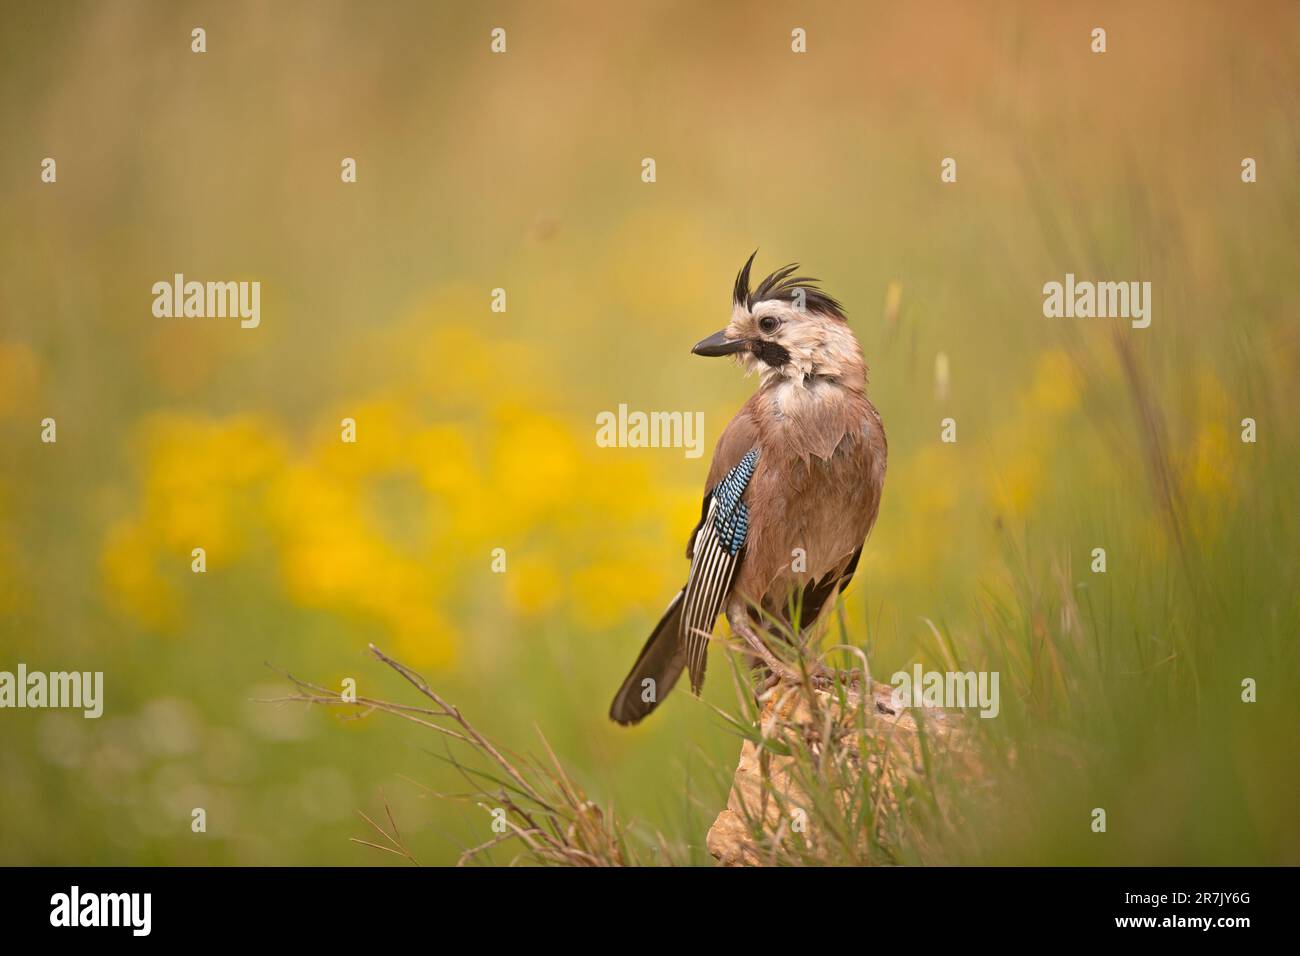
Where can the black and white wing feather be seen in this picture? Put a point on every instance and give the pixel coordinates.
(716, 554)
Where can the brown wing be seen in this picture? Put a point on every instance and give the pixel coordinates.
(740, 435)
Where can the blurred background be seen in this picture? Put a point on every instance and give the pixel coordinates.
(476, 430)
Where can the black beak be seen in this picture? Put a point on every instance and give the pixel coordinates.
(719, 344)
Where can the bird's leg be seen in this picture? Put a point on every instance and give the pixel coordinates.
(762, 678)
(820, 676)
(738, 618)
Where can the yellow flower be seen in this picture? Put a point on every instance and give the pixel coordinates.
(134, 586)
(605, 593)
(200, 490)
(534, 584)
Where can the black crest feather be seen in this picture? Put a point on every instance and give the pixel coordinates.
(783, 284)
(740, 291)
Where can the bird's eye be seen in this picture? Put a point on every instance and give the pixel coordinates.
(768, 323)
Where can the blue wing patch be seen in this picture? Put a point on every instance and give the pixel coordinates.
(731, 518)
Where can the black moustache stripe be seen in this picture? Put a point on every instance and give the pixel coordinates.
(769, 353)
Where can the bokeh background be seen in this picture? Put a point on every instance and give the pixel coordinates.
(476, 430)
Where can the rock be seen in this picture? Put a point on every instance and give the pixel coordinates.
(829, 759)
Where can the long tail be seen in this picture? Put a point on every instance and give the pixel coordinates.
(661, 661)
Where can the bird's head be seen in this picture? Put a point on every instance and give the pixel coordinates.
(787, 329)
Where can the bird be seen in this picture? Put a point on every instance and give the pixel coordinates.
(792, 492)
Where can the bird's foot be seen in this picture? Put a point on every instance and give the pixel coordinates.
(777, 669)
(822, 678)
(825, 678)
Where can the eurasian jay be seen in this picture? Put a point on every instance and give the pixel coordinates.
(792, 493)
